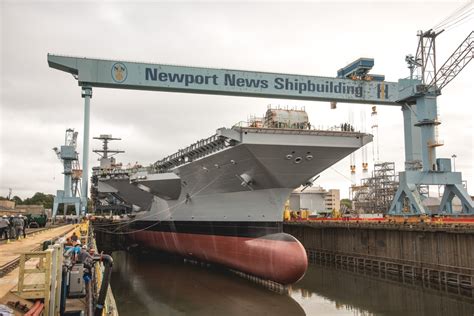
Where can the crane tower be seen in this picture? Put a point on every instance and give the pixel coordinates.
(72, 174)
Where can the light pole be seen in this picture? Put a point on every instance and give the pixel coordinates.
(454, 161)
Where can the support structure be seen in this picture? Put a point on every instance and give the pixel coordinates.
(430, 170)
(375, 193)
(87, 95)
(68, 155)
(420, 114)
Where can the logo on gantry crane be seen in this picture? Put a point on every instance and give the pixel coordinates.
(119, 72)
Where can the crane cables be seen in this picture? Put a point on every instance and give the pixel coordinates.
(460, 16)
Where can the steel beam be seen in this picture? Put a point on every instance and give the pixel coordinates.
(87, 95)
(160, 77)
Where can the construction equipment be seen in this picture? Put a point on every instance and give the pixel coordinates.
(72, 174)
(421, 121)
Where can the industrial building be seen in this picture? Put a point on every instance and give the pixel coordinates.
(8, 207)
(315, 199)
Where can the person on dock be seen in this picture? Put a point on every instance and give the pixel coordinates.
(74, 237)
(83, 256)
(4, 226)
(23, 219)
(11, 228)
(68, 242)
(18, 226)
(71, 252)
(86, 259)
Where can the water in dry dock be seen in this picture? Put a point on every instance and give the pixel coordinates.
(149, 285)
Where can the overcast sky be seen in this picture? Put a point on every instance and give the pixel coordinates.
(316, 38)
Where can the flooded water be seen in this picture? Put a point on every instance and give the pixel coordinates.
(149, 285)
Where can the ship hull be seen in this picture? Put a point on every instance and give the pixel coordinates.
(221, 200)
(258, 249)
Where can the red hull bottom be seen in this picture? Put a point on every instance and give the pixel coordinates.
(277, 257)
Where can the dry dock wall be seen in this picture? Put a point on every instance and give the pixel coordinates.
(424, 251)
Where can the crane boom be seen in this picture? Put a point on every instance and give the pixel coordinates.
(455, 63)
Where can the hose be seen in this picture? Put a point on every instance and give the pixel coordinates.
(108, 263)
(38, 311)
(33, 308)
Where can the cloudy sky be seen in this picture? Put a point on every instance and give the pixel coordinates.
(316, 38)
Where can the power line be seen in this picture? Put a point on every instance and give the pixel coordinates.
(341, 174)
(454, 26)
(464, 17)
(452, 15)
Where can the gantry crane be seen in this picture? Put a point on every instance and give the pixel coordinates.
(72, 174)
(354, 85)
(421, 121)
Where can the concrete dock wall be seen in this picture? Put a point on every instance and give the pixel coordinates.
(445, 254)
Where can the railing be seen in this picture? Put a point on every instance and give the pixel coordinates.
(43, 281)
(41, 276)
(197, 150)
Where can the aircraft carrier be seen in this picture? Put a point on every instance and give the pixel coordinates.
(221, 199)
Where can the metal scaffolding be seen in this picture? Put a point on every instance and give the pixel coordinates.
(375, 194)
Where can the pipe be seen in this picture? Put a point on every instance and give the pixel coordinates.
(38, 311)
(90, 299)
(33, 308)
(62, 305)
(108, 262)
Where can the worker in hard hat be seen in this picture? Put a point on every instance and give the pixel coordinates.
(18, 226)
(11, 228)
(4, 226)
(24, 220)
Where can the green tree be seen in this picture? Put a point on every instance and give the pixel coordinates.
(347, 203)
(17, 200)
(40, 198)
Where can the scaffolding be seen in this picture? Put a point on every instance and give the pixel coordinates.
(375, 194)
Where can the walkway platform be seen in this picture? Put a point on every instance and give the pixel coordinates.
(11, 251)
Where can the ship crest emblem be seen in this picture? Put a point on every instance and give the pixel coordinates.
(119, 72)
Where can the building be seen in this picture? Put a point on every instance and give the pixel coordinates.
(8, 208)
(315, 199)
(7, 205)
(333, 200)
(36, 209)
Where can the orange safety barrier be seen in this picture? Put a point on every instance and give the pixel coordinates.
(465, 220)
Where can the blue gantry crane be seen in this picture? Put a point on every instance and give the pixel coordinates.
(417, 96)
(72, 174)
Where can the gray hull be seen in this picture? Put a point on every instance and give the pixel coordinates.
(248, 180)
